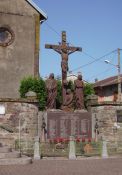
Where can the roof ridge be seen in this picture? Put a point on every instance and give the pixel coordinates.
(107, 81)
(109, 78)
(33, 4)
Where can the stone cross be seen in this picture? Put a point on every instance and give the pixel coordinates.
(64, 50)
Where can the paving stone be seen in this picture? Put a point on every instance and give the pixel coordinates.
(67, 167)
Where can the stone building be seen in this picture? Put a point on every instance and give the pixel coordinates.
(107, 110)
(20, 22)
(19, 43)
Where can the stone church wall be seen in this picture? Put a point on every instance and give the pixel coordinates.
(20, 58)
(17, 111)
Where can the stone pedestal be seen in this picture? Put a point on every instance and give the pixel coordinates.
(36, 149)
(104, 150)
(91, 100)
(72, 154)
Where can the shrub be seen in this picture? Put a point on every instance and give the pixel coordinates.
(88, 89)
(36, 85)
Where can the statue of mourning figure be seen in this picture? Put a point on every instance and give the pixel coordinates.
(51, 88)
(76, 98)
(68, 101)
(79, 95)
(68, 96)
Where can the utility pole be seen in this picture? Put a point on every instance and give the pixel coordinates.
(119, 77)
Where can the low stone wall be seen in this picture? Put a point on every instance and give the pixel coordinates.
(106, 114)
(25, 112)
(17, 111)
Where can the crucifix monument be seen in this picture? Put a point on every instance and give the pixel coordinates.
(66, 122)
(64, 50)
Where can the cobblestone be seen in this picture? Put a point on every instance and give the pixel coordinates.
(67, 167)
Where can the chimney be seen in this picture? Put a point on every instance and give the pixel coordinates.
(96, 80)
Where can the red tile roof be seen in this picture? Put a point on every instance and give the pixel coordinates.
(107, 82)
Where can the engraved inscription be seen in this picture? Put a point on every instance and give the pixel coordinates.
(61, 124)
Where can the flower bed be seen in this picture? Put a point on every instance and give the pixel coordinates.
(60, 147)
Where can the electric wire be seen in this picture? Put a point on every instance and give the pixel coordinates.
(89, 63)
(101, 73)
(95, 59)
(52, 28)
(107, 70)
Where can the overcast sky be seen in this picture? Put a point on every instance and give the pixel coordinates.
(94, 25)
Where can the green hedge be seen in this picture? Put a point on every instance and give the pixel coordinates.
(36, 85)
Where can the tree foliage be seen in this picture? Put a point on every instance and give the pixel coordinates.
(36, 85)
(88, 89)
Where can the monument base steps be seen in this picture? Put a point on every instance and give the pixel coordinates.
(9, 157)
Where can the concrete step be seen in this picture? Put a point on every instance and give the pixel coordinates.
(5, 150)
(16, 161)
(8, 155)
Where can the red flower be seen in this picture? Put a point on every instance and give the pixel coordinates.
(77, 139)
(83, 139)
(61, 140)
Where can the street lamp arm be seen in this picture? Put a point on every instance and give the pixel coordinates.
(108, 62)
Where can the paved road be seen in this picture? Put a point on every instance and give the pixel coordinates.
(67, 167)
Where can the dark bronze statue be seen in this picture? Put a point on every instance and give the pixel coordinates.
(51, 87)
(79, 96)
(68, 102)
(64, 66)
(64, 50)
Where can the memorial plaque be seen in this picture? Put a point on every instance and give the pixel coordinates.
(119, 116)
(52, 128)
(65, 124)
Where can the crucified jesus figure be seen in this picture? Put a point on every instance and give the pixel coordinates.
(64, 50)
